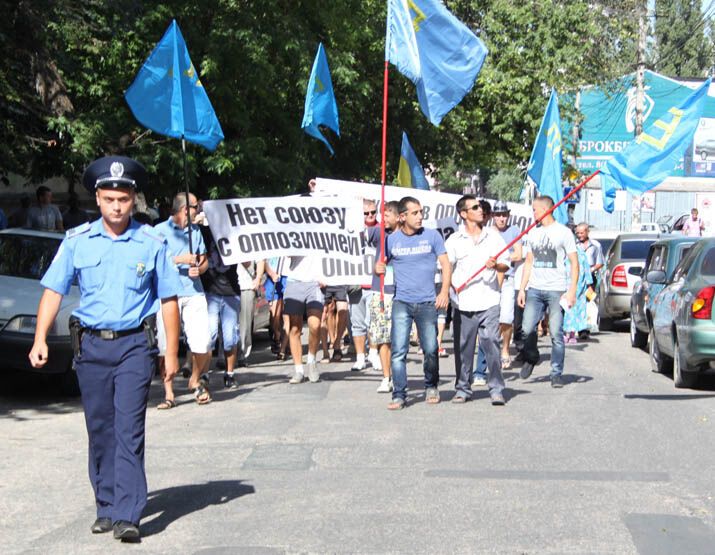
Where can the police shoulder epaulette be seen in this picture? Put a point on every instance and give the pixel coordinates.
(153, 233)
(79, 230)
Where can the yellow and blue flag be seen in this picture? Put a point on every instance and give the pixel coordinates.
(410, 172)
(167, 95)
(545, 163)
(320, 105)
(654, 154)
(435, 51)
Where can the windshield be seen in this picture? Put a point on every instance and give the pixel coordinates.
(24, 256)
(635, 250)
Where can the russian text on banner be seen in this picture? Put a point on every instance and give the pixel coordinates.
(256, 228)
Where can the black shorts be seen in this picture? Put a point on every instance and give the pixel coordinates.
(337, 292)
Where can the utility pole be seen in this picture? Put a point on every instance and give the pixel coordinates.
(640, 77)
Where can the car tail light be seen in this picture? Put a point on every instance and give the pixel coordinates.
(618, 277)
(702, 306)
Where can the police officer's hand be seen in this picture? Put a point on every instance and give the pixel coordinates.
(38, 354)
(521, 298)
(171, 367)
(442, 300)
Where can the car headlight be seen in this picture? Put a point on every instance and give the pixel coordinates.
(25, 324)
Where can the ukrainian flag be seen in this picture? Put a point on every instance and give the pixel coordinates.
(410, 172)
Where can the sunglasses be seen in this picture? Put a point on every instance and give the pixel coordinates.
(370, 212)
(475, 207)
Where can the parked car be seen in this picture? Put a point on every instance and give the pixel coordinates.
(605, 238)
(650, 227)
(25, 255)
(682, 327)
(663, 257)
(705, 149)
(623, 268)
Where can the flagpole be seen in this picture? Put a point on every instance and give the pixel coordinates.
(382, 181)
(186, 186)
(534, 224)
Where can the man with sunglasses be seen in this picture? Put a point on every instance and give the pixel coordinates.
(470, 248)
(190, 263)
(413, 252)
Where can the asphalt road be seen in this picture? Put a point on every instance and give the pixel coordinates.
(618, 461)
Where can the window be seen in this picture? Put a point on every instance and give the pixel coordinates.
(25, 256)
(656, 258)
(681, 270)
(708, 266)
(635, 250)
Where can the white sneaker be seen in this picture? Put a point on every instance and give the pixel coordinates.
(385, 386)
(359, 366)
(298, 377)
(313, 374)
(375, 361)
(479, 382)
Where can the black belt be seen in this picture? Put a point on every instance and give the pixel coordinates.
(111, 335)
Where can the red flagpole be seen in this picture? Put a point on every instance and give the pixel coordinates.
(382, 181)
(554, 207)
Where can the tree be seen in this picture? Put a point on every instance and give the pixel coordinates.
(682, 47)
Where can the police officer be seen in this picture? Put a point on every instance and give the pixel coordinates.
(124, 277)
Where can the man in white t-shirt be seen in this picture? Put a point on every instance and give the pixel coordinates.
(550, 244)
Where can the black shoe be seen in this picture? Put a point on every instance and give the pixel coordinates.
(241, 363)
(126, 531)
(557, 381)
(519, 357)
(229, 382)
(102, 525)
(526, 370)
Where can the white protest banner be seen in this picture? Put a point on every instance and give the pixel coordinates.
(256, 228)
(439, 212)
(436, 205)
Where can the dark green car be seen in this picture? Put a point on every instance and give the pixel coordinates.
(682, 329)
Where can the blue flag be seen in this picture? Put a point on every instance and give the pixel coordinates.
(320, 105)
(410, 172)
(435, 51)
(545, 163)
(168, 97)
(653, 155)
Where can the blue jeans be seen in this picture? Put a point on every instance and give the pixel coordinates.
(424, 315)
(223, 311)
(481, 370)
(537, 301)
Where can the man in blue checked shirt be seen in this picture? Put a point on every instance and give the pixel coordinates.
(125, 277)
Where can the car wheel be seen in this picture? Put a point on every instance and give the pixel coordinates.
(658, 362)
(682, 377)
(638, 338)
(605, 324)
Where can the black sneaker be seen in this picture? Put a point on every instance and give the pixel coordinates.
(526, 370)
(229, 382)
(102, 525)
(557, 381)
(126, 531)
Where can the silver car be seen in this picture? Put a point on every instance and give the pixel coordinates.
(624, 264)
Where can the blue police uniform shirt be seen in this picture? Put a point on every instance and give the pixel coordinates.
(177, 239)
(121, 280)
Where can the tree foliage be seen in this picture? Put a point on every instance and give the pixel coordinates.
(68, 64)
(683, 47)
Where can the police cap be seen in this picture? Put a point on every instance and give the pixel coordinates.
(500, 207)
(112, 172)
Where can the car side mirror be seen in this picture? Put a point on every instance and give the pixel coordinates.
(656, 276)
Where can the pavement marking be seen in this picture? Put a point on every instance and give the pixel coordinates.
(656, 534)
(583, 476)
(279, 457)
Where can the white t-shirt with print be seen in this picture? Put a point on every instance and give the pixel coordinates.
(550, 245)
